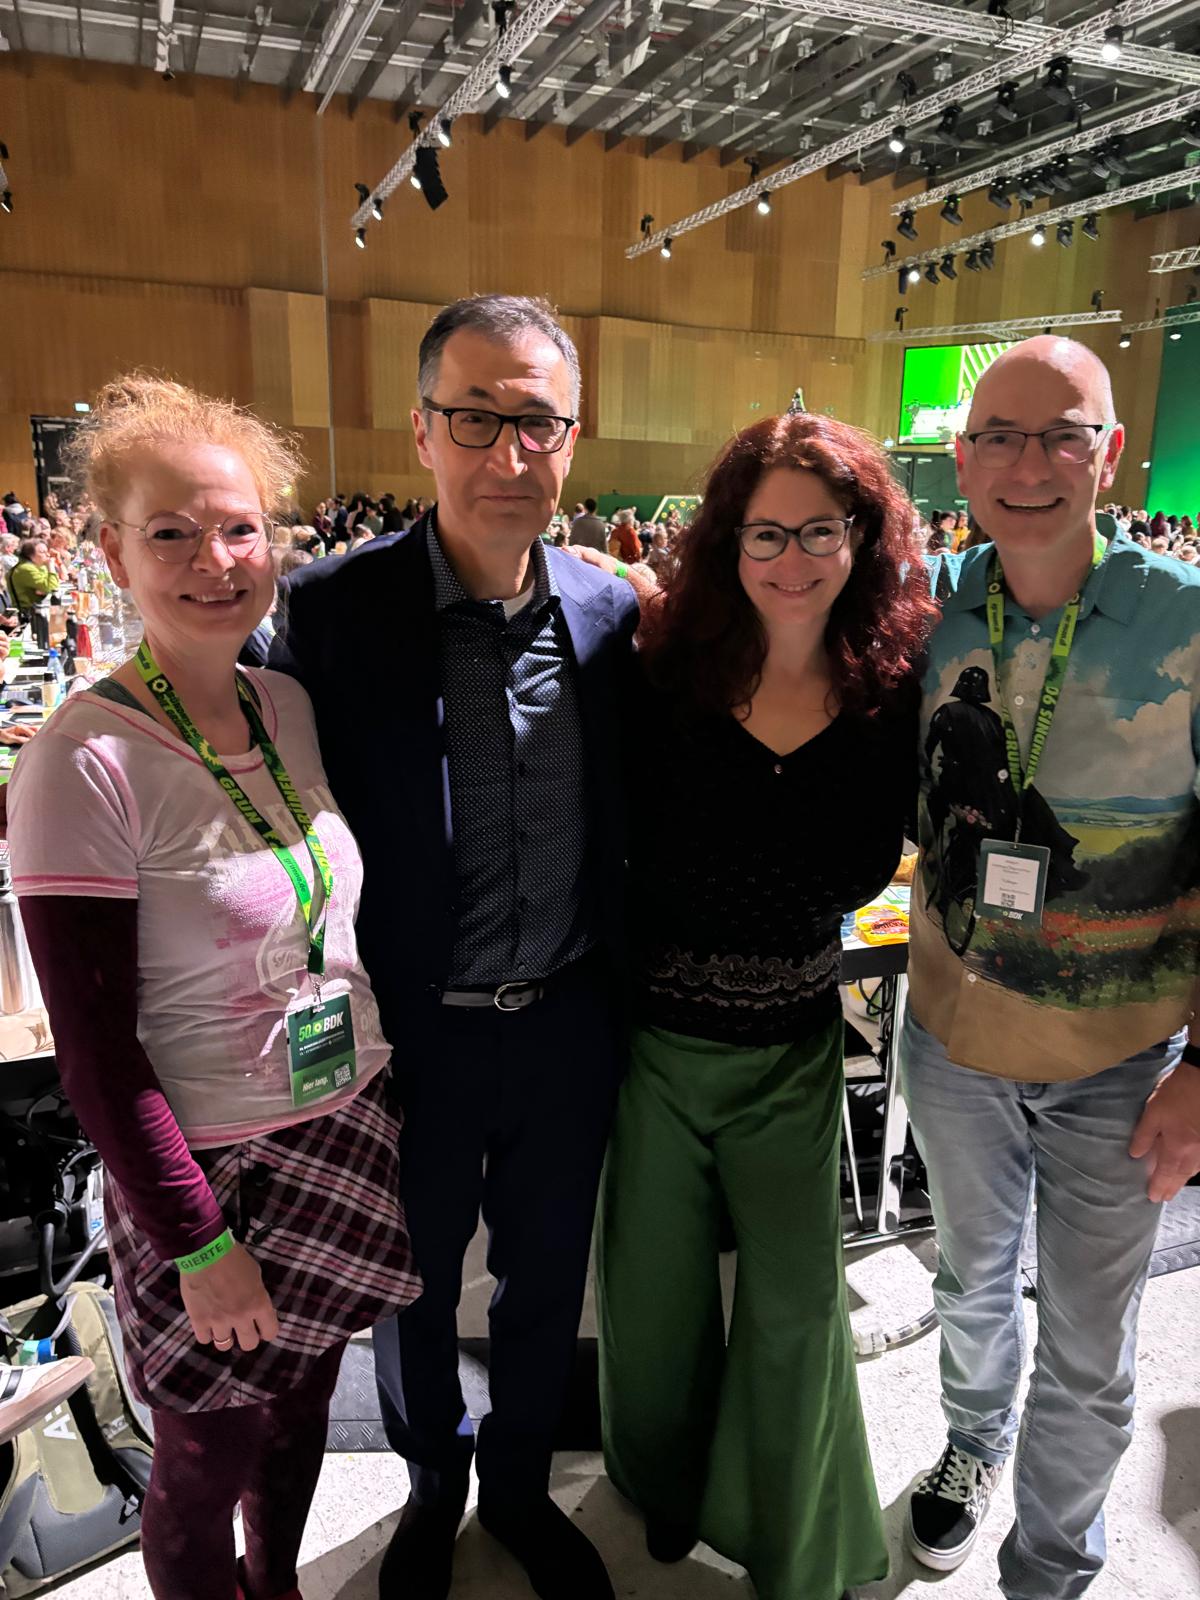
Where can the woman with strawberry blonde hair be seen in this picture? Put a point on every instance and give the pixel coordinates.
(191, 916)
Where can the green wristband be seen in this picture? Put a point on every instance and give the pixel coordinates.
(622, 570)
(221, 1246)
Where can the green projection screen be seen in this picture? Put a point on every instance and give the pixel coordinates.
(936, 393)
(1175, 454)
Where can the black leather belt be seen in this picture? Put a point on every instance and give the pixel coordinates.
(508, 997)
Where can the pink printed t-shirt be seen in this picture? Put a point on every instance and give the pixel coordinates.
(105, 802)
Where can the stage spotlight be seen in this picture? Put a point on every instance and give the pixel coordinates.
(906, 84)
(987, 255)
(443, 133)
(1114, 154)
(504, 82)
(377, 208)
(665, 251)
(1006, 102)
(1175, 336)
(764, 204)
(1098, 300)
(972, 261)
(1025, 191)
(1065, 234)
(1091, 228)
(914, 274)
(948, 269)
(1110, 50)
(360, 238)
(645, 225)
(998, 195)
(755, 166)
(931, 274)
(1097, 161)
(1191, 131)
(1038, 236)
(363, 193)
(1043, 182)
(898, 143)
(950, 212)
(1124, 341)
(901, 313)
(902, 280)
(6, 202)
(3, 151)
(888, 247)
(906, 227)
(947, 128)
(414, 121)
(414, 180)
(1057, 84)
(1060, 174)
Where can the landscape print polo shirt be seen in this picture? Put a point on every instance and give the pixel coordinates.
(1110, 968)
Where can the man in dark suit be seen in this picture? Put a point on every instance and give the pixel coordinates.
(476, 757)
(590, 531)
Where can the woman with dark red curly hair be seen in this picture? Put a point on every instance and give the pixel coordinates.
(778, 733)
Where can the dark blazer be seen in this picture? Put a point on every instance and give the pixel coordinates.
(359, 632)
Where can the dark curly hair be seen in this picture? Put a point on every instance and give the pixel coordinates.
(705, 643)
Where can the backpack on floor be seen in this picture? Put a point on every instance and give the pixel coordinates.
(72, 1486)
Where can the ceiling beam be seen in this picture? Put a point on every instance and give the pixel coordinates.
(322, 9)
(921, 112)
(398, 30)
(941, 22)
(20, 26)
(336, 24)
(193, 54)
(706, 29)
(466, 16)
(365, 23)
(593, 16)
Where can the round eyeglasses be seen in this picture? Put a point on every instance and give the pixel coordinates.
(1072, 444)
(821, 536)
(474, 429)
(176, 538)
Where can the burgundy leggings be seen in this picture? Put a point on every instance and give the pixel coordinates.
(268, 1457)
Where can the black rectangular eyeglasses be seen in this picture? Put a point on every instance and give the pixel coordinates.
(476, 429)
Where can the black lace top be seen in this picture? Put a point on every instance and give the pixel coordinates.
(744, 862)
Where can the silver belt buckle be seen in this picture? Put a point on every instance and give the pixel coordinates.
(498, 997)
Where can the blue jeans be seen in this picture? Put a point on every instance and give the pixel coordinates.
(990, 1144)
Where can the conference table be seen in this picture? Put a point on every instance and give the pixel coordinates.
(881, 1221)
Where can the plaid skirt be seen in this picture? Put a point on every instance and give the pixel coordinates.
(318, 1206)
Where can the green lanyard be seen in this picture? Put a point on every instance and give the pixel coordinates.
(168, 701)
(1056, 674)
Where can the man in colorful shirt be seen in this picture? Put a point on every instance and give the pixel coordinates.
(1054, 962)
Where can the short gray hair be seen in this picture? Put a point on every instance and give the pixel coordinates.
(501, 317)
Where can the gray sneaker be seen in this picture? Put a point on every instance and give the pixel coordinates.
(947, 1509)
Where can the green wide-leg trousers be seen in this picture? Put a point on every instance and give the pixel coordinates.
(755, 1442)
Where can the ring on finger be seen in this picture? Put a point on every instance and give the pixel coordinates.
(223, 1344)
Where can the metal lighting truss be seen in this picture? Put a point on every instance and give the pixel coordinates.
(470, 91)
(1165, 111)
(970, 27)
(1192, 314)
(1047, 219)
(1017, 326)
(1059, 42)
(1176, 260)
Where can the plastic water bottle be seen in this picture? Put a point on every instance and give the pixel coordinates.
(56, 667)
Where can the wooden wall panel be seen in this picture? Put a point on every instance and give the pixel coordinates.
(184, 224)
(119, 174)
(65, 336)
